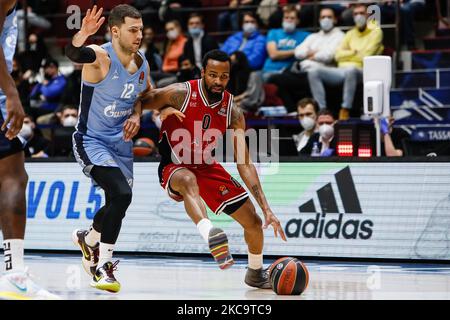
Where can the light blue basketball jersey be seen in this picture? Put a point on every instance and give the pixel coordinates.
(104, 108)
(8, 40)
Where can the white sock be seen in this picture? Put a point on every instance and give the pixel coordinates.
(13, 253)
(255, 261)
(93, 237)
(204, 226)
(105, 254)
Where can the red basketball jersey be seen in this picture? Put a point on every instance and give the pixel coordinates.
(192, 140)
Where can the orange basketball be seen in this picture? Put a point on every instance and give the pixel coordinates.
(288, 276)
(143, 147)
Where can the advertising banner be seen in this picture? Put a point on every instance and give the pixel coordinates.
(367, 210)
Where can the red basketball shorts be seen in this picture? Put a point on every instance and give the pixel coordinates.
(218, 189)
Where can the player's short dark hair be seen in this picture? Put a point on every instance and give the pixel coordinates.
(305, 101)
(119, 13)
(217, 55)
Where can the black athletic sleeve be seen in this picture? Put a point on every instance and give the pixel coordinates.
(80, 54)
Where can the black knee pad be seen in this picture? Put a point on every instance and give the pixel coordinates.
(121, 202)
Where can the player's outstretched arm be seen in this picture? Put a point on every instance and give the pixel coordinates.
(169, 100)
(248, 172)
(75, 50)
(14, 109)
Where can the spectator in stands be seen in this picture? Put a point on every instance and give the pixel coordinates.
(31, 59)
(149, 10)
(170, 9)
(229, 19)
(37, 145)
(67, 116)
(33, 20)
(282, 42)
(174, 49)
(250, 41)
(22, 83)
(64, 126)
(361, 41)
(149, 49)
(46, 95)
(72, 91)
(307, 112)
(188, 71)
(271, 13)
(246, 85)
(324, 139)
(317, 50)
(409, 9)
(392, 138)
(199, 42)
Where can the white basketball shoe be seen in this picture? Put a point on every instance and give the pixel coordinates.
(19, 286)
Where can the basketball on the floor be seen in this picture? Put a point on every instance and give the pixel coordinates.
(288, 276)
(143, 147)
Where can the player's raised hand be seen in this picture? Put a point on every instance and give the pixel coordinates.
(271, 219)
(171, 111)
(131, 127)
(92, 21)
(15, 117)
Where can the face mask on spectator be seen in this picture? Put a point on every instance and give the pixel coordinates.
(307, 123)
(195, 32)
(360, 20)
(249, 27)
(172, 34)
(26, 132)
(289, 26)
(70, 121)
(326, 131)
(326, 24)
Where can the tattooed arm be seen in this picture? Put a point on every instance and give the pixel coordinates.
(248, 172)
(170, 96)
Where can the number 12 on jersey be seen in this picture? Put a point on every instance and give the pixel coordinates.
(127, 91)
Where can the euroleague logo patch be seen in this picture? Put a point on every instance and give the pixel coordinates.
(279, 266)
(223, 190)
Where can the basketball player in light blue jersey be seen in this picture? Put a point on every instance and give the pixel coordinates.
(15, 283)
(113, 77)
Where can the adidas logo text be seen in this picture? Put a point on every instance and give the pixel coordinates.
(330, 223)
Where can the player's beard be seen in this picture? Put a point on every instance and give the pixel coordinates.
(213, 97)
(127, 49)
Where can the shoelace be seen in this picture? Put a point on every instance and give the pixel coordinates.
(111, 269)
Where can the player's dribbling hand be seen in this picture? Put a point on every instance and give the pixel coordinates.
(271, 219)
(15, 117)
(131, 127)
(171, 111)
(92, 21)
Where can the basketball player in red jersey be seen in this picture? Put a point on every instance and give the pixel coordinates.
(208, 106)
